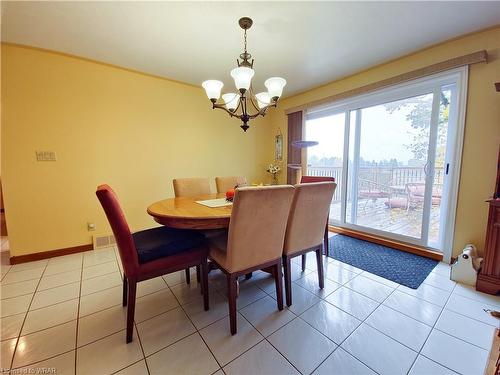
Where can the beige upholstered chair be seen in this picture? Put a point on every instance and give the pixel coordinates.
(306, 227)
(255, 238)
(189, 187)
(226, 183)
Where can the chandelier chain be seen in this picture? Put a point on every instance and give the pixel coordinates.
(245, 41)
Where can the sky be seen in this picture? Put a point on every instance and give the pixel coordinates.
(383, 135)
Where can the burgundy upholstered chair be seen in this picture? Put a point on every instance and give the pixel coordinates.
(151, 253)
(306, 180)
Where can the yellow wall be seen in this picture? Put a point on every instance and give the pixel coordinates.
(107, 125)
(482, 129)
(137, 132)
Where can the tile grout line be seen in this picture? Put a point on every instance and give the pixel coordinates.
(78, 314)
(430, 333)
(24, 320)
(324, 299)
(197, 331)
(296, 316)
(265, 338)
(442, 308)
(362, 321)
(85, 316)
(55, 325)
(140, 345)
(218, 320)
(45, 359)
(196, 328)
(132, 364)
(458, 338)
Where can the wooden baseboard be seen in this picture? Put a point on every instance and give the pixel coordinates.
(487, 284)
(389, 243)
(50, 254)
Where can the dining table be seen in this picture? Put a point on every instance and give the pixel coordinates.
(186, 213)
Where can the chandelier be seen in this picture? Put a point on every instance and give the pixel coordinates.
(242, 103)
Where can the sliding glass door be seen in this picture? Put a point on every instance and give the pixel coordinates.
(327, 158)
(394, 156)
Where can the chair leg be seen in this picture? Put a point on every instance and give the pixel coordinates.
(199, 278)
(125, 290)
(132, 287)
(188, 276)
(278, 279)
(287, 265)
(303, 262)
(319, 261)
(204, 284)
(327, 245)
(232, 293)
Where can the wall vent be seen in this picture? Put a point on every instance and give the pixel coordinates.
(103, 240)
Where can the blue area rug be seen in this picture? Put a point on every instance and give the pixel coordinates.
(401, 267)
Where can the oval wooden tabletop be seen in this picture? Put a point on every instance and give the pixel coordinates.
(185, 213)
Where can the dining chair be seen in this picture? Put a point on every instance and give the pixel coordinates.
(304, 231)
(190, 187)
(151, 253)
(227, 183)
(308, 180)
(254, 240)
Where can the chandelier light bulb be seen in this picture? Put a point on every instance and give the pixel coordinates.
(263, 99)
(213, 88)
(242, 77)
(231, 101)
(275, 87)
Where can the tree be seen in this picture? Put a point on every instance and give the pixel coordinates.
(420, 119)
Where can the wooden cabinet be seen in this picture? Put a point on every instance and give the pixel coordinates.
(488, 280)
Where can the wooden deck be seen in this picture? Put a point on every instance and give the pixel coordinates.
(376, 215)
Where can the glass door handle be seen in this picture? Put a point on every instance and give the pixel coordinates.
(425, 168)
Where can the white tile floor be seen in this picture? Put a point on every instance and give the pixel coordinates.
(66, 313)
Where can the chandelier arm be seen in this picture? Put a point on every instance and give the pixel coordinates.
(240, 104)
(258, 109)
(253, 103)
(262, 112)
(223, 107)
(243, 104)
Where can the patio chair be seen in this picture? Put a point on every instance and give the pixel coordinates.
(371, 191)
(416, 194)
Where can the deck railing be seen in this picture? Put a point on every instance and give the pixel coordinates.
(383, 176)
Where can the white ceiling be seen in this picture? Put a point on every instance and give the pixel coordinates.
(308, 43)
